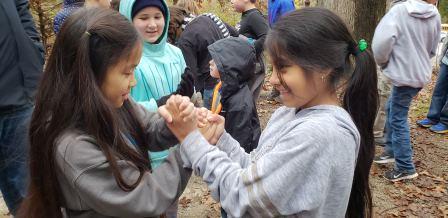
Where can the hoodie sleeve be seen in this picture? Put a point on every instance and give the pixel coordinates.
(385, 36)
(155, 127)
(85, 169)
(436, 38)
(269, 186)
(233, 150)
(185, 87)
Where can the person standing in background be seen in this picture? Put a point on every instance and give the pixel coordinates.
(253, 27)
(404, 42)
(21, 63)
(384, 89)
(69, 6)
(278, 8)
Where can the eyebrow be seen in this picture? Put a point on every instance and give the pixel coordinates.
(147, 14)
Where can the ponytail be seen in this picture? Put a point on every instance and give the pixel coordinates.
(361, 102)
(317, 39)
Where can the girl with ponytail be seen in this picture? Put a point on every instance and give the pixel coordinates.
(314, 157)
(89, 141)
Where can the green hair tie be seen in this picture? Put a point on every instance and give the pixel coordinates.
(362, 45)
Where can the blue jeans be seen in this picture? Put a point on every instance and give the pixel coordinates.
(208, 98)
(13, 155)
(398, 139)
(438, 111)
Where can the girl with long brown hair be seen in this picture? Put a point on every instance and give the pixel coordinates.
(89, 141)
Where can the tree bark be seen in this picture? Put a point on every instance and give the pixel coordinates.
(343, 8)
(361, 16)
(367, 15)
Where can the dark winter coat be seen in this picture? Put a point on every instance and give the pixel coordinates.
(21, 55)
(235, 60)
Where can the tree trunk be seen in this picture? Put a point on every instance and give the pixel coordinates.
(343, 8)
(361, 16)
(367, 15)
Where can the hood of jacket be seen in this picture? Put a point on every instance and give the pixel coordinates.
(420, 9)
(235, 59)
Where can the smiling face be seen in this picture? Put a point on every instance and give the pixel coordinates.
(150, 23)
(120, 78)
(299, 89)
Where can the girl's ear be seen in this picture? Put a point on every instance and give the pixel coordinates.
(326, 74)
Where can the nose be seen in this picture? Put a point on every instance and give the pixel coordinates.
(274, 78)
(152, 23)
(133, 81)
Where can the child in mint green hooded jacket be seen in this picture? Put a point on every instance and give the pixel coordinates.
(161, 66)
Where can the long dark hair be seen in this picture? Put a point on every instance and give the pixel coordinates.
(316, 39)
(69, 97)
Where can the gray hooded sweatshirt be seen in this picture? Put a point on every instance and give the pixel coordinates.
(303, 165)
(405, 40)
(89, 189)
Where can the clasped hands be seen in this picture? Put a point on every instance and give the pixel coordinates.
(182, 118)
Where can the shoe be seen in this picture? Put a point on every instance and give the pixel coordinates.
(439, 128)
(384, 159)
(426, 123)
(395, 175)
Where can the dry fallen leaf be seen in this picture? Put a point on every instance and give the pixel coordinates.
(184, 202)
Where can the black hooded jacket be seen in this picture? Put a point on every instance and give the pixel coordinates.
(235, 60)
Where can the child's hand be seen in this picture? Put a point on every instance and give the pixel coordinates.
(180, 115)
(214, 128)
(202, 114)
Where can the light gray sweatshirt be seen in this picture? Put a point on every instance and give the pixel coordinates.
(405, 40)
(90, 190)
(303, 165)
